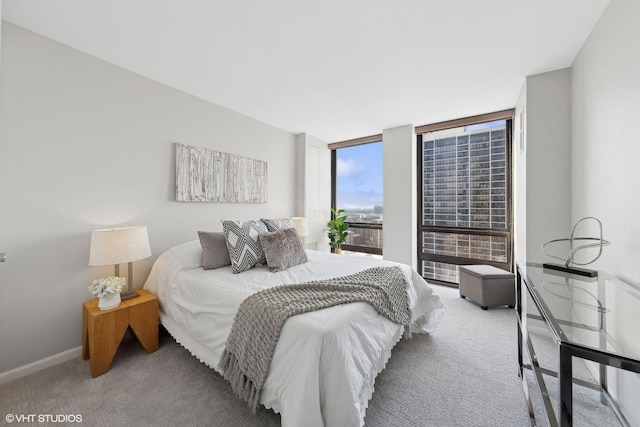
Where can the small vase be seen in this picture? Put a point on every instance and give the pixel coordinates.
(338, 250)
(110, 301)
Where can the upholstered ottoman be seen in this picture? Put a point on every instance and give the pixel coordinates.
(487, 285)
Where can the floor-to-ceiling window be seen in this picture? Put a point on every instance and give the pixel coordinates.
(357, 188)
(464, 196)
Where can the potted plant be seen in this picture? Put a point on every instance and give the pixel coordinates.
(108, 290)
(337, 230)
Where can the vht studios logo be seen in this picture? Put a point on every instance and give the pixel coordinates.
(43, 418)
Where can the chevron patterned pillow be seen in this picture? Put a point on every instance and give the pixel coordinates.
(243, 243)
(278, 224)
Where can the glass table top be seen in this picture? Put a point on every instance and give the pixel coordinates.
(601, 313)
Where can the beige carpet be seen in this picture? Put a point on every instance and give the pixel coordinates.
(465, 374)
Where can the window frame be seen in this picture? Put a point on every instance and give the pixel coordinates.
(334, 147)
(508, 116)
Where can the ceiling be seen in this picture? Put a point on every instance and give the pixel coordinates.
(335, 69)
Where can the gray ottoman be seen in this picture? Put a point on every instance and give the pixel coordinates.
(487, 285)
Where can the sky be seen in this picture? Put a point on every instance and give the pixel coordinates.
(359, 176)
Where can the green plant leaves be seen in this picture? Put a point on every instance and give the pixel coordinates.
(338, 228)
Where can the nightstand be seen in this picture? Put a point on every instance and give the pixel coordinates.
(102, 330)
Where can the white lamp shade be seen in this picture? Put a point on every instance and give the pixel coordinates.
(301, 225)
(112, 246)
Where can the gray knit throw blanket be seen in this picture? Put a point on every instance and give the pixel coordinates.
(246, 359)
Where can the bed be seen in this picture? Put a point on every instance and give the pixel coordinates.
(325, 362)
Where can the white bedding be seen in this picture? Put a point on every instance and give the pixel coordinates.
(326, 361)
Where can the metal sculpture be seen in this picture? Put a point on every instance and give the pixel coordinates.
(595, 242)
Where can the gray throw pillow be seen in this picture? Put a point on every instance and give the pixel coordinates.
(214, 249)
(283, 249)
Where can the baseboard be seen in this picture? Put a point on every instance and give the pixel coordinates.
(39, 365)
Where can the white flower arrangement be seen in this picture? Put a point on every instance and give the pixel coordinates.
(106, 286)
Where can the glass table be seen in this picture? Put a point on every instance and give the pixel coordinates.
(593, 325)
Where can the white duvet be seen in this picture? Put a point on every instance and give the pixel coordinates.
(326, 361)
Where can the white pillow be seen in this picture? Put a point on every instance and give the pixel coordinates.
(187, 255)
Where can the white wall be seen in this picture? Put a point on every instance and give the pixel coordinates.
(399, 232)
(313, 188)
(606, 143)
(543, 169)
(85, 145)
(605, 155)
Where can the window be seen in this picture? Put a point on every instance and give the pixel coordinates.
(357, 188)
(464, 198)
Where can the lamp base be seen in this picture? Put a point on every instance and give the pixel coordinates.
(129, 295)
(573, 270)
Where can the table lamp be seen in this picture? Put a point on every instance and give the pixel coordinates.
(115, 246)
(302, 227)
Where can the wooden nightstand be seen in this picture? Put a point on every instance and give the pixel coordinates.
(102, 330)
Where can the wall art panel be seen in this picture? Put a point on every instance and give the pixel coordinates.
(205, 175)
